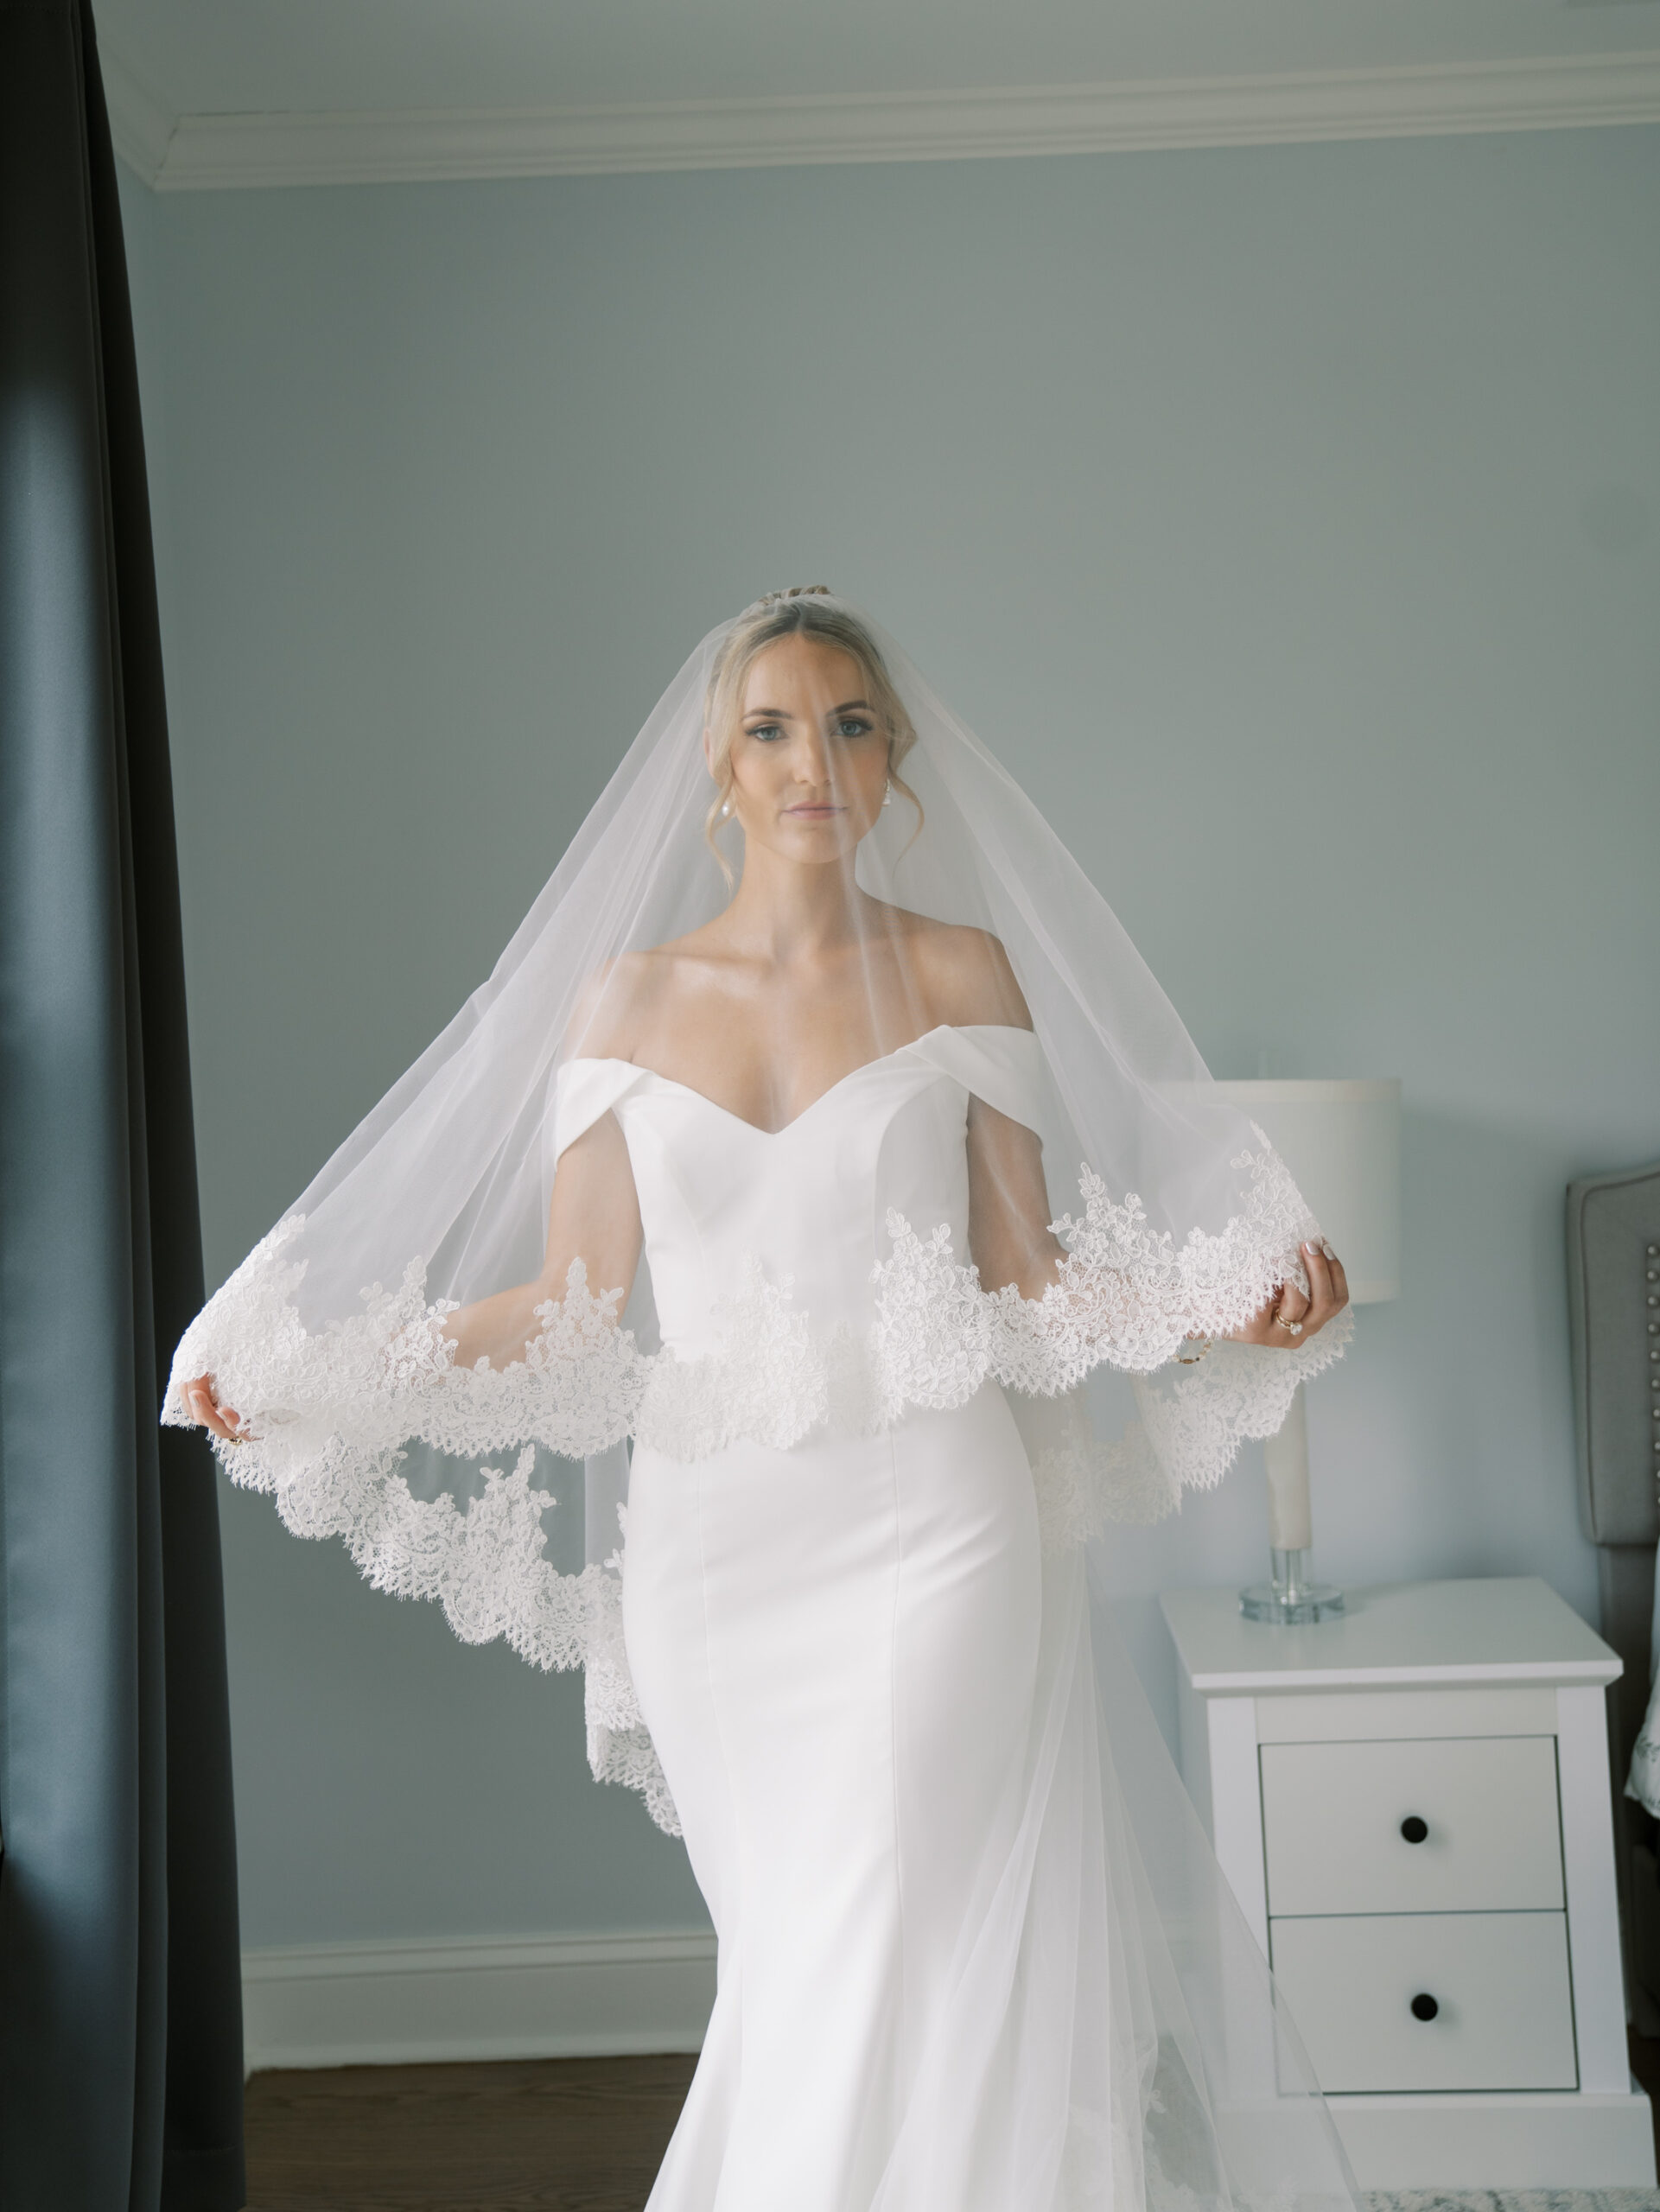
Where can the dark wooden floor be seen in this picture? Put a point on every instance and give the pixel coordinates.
(534, 2135)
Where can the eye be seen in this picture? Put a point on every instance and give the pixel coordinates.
(853, 726)
(766, 731)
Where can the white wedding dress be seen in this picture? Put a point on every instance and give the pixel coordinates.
(871, 1693)
(834, 1647)
(975, 1954)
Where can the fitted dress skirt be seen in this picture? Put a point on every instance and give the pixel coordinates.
(834, 1648)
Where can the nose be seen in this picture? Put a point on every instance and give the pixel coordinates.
(811, 759)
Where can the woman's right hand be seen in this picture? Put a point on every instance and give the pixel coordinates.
(201, 1398)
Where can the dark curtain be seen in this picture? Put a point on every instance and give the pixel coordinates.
(120, 2005)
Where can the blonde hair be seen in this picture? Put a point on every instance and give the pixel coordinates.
(810, 611)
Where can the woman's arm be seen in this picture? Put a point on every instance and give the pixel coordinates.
(1009, 1237)
(970, 981)
(593, 1217)
(1010, 1240)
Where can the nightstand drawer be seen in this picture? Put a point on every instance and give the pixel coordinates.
(1338, 1820)
(1495, 1984)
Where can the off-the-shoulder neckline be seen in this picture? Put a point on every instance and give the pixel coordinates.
(673, 1083)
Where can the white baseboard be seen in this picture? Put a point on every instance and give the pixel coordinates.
(574, 1996)
(551, 1996)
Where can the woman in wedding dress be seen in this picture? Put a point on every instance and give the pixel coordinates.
(972, 1951)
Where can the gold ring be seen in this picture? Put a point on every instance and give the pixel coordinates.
(1293, 1327)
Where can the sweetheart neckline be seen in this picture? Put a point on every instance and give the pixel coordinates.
(955, 1028)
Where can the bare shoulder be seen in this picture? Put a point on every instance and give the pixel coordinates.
(628, 1005)
(613, 1005)
(966, 974)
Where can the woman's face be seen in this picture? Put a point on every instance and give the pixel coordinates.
(809, 756)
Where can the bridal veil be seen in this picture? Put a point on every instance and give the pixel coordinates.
(496, 1489)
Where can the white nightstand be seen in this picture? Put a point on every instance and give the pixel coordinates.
(1412, 1805)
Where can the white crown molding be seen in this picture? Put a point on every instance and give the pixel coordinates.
(387, 2004)
(141, 124)
(213, 152)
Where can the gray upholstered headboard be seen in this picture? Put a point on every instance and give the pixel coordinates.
(1613, 1318)
(1613, 1309)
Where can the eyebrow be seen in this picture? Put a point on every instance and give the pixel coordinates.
(781, 715)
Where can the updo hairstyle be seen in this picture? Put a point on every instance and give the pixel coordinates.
(805, 610)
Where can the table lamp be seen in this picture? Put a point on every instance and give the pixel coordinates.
(1342, 1144)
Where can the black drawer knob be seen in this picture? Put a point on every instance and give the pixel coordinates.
(1415, 1830)
(1424, 2007)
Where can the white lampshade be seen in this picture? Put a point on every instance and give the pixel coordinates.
(1342, 1142)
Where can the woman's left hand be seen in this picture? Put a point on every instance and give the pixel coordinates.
(1289, 1318)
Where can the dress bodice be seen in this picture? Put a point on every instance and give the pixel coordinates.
(808, 1202)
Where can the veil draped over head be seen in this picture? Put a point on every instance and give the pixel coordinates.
(496, 1488)
(1177, 1217)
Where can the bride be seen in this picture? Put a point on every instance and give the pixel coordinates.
(790, 1144)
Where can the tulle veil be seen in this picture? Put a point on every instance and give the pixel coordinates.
(1178, 2062)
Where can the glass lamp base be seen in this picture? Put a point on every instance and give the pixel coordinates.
(1291, 1600)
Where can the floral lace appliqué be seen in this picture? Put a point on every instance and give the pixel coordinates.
(332, 1412)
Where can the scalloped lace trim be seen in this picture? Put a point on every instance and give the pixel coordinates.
(332, 1410)
(1124, 1296)
(1188, 1437)
(620, 1746)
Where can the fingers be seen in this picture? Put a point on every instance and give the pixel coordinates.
(1334, 1288)
(1291, 1316)
(1328, 1283)
(204, 1410)
(1264, 1327)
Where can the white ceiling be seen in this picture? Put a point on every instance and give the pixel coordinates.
(195, 84)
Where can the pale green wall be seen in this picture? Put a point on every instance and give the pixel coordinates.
(1285, 517)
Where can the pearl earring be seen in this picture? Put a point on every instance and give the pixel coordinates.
(726, 808)
(887, 794)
